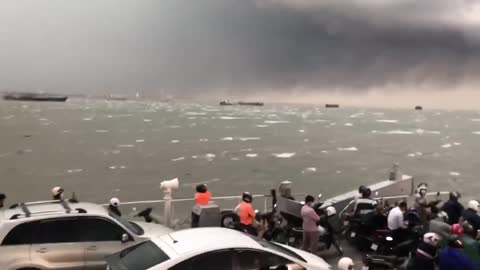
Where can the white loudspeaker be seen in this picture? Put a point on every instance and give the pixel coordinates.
(169, 184)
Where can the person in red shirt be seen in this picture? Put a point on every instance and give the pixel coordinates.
(246, 213)
(202, 197)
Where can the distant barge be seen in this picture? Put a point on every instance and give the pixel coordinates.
(34, 97)
(418, 108)
(228, 103)
(332, 106)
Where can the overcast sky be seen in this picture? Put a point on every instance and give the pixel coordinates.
(240, 47)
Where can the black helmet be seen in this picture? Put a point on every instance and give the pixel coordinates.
(362, 189)
(455, 195)
(366, 193)
(201, 188)
(247, 197)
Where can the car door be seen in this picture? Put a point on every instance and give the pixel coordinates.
(248, 259)
(56, 245)
(102, 238)
(216, 260)
(15, 247)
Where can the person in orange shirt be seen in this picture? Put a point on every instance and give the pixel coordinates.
(202, 197)
(246, 213)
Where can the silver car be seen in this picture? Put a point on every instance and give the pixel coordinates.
(60, 235)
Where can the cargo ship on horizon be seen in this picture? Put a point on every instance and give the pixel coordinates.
(35, 97)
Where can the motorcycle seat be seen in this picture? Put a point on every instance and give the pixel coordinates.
(389, 258)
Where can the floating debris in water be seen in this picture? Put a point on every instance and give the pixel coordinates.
(353, 148)
(178, 159)
(284, 155)
(27, 135)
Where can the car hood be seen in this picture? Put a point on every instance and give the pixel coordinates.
(153, 229)
(312, 260)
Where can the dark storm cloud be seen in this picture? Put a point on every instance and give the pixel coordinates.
(191, 47)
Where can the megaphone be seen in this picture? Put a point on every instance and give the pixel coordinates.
(169, 184)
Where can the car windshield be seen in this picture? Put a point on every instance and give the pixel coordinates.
(138, 257)
(276, 247)
(132, 226)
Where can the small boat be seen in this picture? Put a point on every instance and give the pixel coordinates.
(225, 103)
(250, 103)
(35, 97)
(332, 106)
(116, 97)
(418, 108)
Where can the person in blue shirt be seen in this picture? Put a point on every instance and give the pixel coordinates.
(452, 257)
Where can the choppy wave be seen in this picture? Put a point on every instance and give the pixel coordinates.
(178, 159)
(231, 118)
(387, 121)
(125, 145)
(174, 141)
(353, 148)
(251, 155)
(101, 131)
(276, 122)
(402, 132)
(284, 155)
(309, 170)
(454, 173)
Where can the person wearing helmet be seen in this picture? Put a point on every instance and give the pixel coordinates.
(426, 253)
(246, 213)
(57, 193)
(471, 244)
(311, 232)
(365, 204)
(440, 226)
(452, 257)
(361, 190)
(2, 200)
(421, 203)
(345, 263)
(113, 207)
(202, 197)
(453, 208)
(471, 214)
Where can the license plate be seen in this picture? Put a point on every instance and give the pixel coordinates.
(345, 222)
(374, 247)
(353, 234)
(364, 267)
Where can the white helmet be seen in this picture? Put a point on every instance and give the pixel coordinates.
(331, 211)
(345, 263)
(114, 202)
(443, 215)
(57, 191)
(473, 205)
(432, 239)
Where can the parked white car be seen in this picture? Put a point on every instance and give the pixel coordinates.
(212, 249)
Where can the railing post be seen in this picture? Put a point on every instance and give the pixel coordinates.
(265, 204)
(168, 207)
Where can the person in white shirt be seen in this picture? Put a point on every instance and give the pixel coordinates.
(396, 222)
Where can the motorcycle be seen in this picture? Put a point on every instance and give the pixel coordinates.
(382, 262)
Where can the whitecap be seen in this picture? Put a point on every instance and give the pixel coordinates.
(416, 154)
(109, 116)
(318, 121)
(66, 131)
(174, 126)
(262, 126)
(454, 173)
(74, 170)
(243, 139)
(333, 124)
(457, 143)
(400, 132)
(475, 120)
(194, 156)
(422, 131)
(338, 172)
(192, 118)
(122, 167)
(301, 130)
(195, 113)
(353, 148)
(210, 156)
(87, 119)
(309, 169)
(147, 120)
(5, 154)
(447, 145)
(246, 150)
(125, 145)
(43, 119)
(115, 152)
(234, 158)
(178, 159)
(112, 167)
(348, 124)
(101, 131)
(476, 132)
(174, 141)
(284, 155)
(387, 121)
(203, 140)
(275, 122)
(227, 139)
(231, 118)
(251, 155)
(8, 117)
(140, 140)
(356, 115)
(324, 151)
(306, 140)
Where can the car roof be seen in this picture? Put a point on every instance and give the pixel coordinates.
(203, 239)
(45, 209)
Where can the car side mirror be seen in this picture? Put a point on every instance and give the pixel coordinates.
(125, 238)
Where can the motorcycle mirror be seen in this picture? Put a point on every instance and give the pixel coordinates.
(125, 238)
(319, 196)
(389, 238)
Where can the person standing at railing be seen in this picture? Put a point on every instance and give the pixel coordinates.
(309, 226)
(202, 197)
